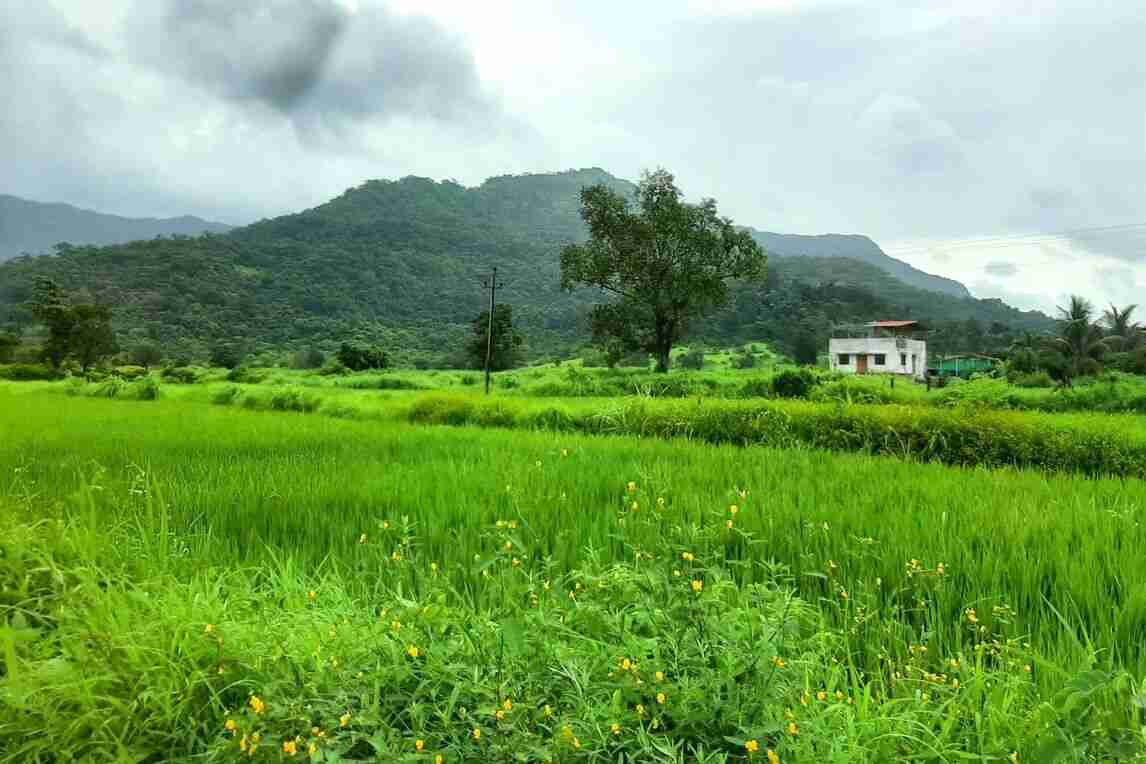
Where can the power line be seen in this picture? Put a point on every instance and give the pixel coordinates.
(1002, 242)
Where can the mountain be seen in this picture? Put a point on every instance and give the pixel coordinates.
(401, 263)
(28, 227)
(855, 247)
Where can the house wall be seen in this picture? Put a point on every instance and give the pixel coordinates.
(890, 347)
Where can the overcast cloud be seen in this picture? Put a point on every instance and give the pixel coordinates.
(923, 125)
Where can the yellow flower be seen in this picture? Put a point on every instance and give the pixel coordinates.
(640, 710)
(362, 539)
(477, 733)
(243, 744)
(632, 487)
(626, 664)
(312, 595)
(413, 651)
(499, 715)
(634, 506)
(230, 725)
(839, 695)
(778, 662)
(821, 695)
(687, 556)
(316, 731)
(971, 617)
(660, 501)
(676, 573)
(547, 710)
(1014, 757)
(564, 452)
(660, 675)
(516, 562)
(419, 744)
(312, 749)
(752, 746)
(576, 743)
(397, 556)
(793, 728)
(344, 720)
(434, 568)
(257, 704)
(698, 586)
(290, 748)
(661, 698)
(508, 704)
(732, 510)
(772, 757)
(209, 628)
(508, 545)
(439, 759)
(615, 728)
(728, 524)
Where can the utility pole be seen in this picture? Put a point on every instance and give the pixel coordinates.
(491, 285)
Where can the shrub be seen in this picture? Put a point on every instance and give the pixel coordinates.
(181, 375)
(507, 383)
(358, 357)
(130, 373)
(311, 358)
(468, 379)
(693, 359)
(745, 360)
(225, 396)
(246, 375)
(27, 372)
(145, 389)
(793, 383)
(1033, 379)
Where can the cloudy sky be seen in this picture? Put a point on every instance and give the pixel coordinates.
(1002, 143)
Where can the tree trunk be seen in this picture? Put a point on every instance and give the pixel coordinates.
(663, 357)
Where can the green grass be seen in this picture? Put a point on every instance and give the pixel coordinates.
(129, 526)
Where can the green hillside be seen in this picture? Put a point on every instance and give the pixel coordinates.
(401, 263)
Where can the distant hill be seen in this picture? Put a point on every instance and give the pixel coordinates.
(28, 227)
(400, 263)
(855, 247)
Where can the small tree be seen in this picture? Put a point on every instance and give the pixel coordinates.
(664, 262)
(311, 358)
(1124, 334)
(92, 338)
(8, 344)
(1080, 344)
(146, 355)
(227, 355)
(358, 357)
(506, 349)
(52, 308)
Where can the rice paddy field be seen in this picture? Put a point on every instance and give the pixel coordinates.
(197, 578)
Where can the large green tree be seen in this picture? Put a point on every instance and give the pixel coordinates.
(664, 262)
(82, 331)
(92, 338)
(1080, 344)
(1124, 334)
(507, 344)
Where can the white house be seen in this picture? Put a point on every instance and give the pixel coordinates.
(881, 347)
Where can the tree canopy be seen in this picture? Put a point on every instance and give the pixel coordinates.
(664, 262)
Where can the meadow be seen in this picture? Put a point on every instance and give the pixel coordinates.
(183, 580)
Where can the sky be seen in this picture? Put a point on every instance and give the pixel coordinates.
(999, 142)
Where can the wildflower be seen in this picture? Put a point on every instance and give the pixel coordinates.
(499, 715)
(547, 710)
(209, 628)
(395, 625)
(515, 562)
(687, 556)
(243, 744)
(971, 617)
(397, 556)
(564, 452)
(772, 757)
(317, 732)
(698, 586)
(508, 546)
(728, 524)
(676, 573)
(632, 487)
(615, 728)
(843, 594)
(940, 569)
(634, 507)
(385, 525)
(821, 696)
(576, 743)
(537, 463)
(545, 585)
(508, 704)
(439, 759)
(1014, 757)
(660, 675)
(955, 684)
(626, 664)
(419, 744)
(1027, 668)
(312, 595)
(312, 749)
(257, 704)
(362, 539)
(793, 729)
(732, 510)
(413, 651)
(344, 720)
(661, 502)
(477, 733)
(752, 746)
(230, 726)
(839, 695)
(661, 698)
(640, 710)
(778, 662)
(433, 568)
(290, 748)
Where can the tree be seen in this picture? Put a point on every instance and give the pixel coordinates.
(664, 262)
(506, 349)
(146, 355)
(228, 355)
(92, 339)
(1124, 334)
(51, 307)
(311, 358)
(1080, 344)
(8, 345)
(357, 357)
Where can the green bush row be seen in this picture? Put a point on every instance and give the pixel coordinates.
(959, 437)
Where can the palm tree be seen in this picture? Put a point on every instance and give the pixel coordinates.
(1081, 343)
(1123, 333)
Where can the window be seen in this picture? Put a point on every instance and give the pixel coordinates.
(903, 359)
(880, 359)
(845, 359)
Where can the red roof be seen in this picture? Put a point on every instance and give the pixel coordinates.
(892, 324)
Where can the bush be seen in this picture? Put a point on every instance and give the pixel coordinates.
(1032, 379)
(145, 389)
(693, 359)
(357, 357)
(312, 358)
(468, 380)
(745, 360)
(245, 375)
(130, 373)
(27, 372)
(793, 383)
(225, 396)
(181, 375)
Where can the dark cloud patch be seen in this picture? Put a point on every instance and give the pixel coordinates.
(1000, 268)
(314, 60)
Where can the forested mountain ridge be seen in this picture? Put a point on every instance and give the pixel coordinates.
(28, 227)
(400, 263)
